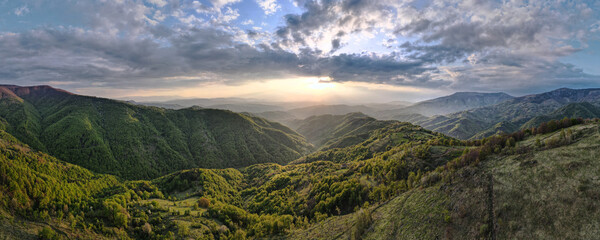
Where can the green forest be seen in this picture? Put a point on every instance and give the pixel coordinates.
(137, 142)
(74, 167)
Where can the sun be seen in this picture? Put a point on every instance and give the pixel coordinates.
(321, 84)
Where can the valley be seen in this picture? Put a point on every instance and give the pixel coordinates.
(334, 177)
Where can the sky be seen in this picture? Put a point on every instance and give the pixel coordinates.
(300, 50)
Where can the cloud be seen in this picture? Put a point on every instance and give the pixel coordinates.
(456, 33)
(227, 16)
(385, 69)
(269, 6)
(159, 3)
(89, 57)
(221, 3)
(125, 17)
(200, 54)
(515, 73)
(20, 11)
(451, 45)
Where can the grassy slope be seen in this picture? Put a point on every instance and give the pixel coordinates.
(139, 142)
(415, 214)
(551, 194)
(542, 193)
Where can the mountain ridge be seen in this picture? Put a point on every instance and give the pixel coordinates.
(467, 124)
(132, 141)
(455, 102)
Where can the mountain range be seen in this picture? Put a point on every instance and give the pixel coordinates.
(79, 167)
(510, 115)
(138, 142)
(456, 102)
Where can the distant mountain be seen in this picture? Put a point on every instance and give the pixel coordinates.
(205, 101)
(157, 104)
(328, 131)
(405, 103)
(583, 110)
(409, 117)
(509, 115)
(138, 142)
(231, 104)
(283, 117)
(388, 106)
(293, 116)
(340, 109)
(456, 102)
(247, 107)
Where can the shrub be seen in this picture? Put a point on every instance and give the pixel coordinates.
(204, 202)
(147, 228)
(48, 233)
(183, 230)
(484, 230)
(363, 222)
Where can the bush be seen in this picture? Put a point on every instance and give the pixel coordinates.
(48, 233)
(363, 222)
(147, 229)
(204, 202)
(484, 230)
(183, 230)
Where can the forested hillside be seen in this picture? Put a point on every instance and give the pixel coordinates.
(138, 142)
(456, 102)
(324, 130)
(401, 182)
(370, 179)
(540, 183)
(510, 115)
(256, 201)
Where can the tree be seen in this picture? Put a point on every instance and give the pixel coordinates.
(204, 202)
(510, 142)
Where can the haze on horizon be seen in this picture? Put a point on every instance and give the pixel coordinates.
(299, 50)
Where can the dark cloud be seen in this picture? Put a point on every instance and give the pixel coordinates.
(326, 14)
(484, 38)
(68, 55)
(465, 45)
